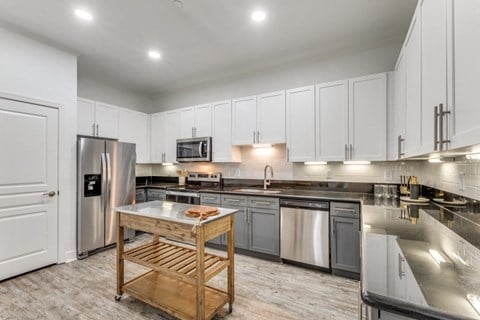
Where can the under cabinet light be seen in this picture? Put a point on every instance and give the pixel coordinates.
(83, 14)
(356, 162)
(314, 163)
(261, 145)
(167, 164)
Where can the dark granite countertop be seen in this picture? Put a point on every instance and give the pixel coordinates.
(399, 272)
(157, 185)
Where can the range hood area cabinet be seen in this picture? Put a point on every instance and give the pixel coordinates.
(438, 68)
(222, 148)
(259, 119)
(352, 119)
(195, 122)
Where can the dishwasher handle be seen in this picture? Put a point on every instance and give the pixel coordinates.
(298, 204)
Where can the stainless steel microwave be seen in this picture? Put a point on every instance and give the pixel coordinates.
(194, 149)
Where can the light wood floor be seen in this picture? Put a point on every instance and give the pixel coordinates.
(264, 290)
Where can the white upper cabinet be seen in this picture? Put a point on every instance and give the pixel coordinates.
(466, 71)
(195, 121)
(125, 125)
(186, 118)
(97, 119)
(413, 68)
(399, 113)
(106, 118)
(86, 117)
(157, 140)
(259, 119)
(301, 124)
(203, 120)
(244, 129)
(222, 149)
(434, 68)
(163, 136)
(133, 127)
(332, 120)
(271, 117)
(368, 117)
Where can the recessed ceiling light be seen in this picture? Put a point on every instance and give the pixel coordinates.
(177, 3)
(154, 54)
(258, 15)
(83, 14)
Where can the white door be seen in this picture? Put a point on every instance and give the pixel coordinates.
(106, 117)
(368, 117)
(244, 120)
(85, 117)
(434, 67)
(332, 120)
(28, 172)
(466, 109)
(301, 124)
(222, 133)
(271, 117)
(203, 121)
(413, 68)
(186, 118)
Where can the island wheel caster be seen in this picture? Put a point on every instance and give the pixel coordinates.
(230, 308)
(118, 297)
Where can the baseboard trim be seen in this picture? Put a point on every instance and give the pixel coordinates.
(70, 256)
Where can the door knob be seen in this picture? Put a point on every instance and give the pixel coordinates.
(50, 194)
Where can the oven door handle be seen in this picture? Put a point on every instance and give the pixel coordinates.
(200, 149)
(182, 194)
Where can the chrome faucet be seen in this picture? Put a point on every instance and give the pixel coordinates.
(266, 182)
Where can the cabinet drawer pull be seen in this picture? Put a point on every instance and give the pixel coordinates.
(232, 200)
(210, 198)
(263, 203)
(345, 210)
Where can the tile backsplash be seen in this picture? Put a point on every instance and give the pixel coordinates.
(459, 178)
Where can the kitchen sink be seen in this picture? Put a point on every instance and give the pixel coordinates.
(258, 191)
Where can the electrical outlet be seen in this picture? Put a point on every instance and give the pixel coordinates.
(461, 181)
(388, 175)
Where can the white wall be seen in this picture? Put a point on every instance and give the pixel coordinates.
(307, 72)
(31, 69)
(93, 88)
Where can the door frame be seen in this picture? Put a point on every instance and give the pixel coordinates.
(62, 147)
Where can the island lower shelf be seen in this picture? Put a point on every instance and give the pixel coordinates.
(177, 260)
(174, 296)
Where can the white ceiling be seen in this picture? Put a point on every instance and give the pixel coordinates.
(204, 39)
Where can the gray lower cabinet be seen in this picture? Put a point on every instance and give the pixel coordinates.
(256, 222)
(156, 194)
(345, 236)
(212, 199)
(264, 231)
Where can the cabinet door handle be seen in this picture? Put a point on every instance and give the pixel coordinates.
(253, 132)
(288, 154)
(350, 152)
(246, 215)
(258, 136)
(93, 129)
(442, 114)
(400, 140)
(401, 271)
(97, 129)
(193, 135)
(346, 152)
(435, 128)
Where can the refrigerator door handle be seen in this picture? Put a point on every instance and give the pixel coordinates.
(109, 179)
(103, 173)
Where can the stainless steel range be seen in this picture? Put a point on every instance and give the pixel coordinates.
(190, 193)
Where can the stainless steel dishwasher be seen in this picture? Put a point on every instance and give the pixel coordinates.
(304, 232)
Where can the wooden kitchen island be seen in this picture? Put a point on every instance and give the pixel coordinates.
(176, 281)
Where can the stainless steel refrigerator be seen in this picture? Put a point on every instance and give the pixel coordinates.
(105, 180)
